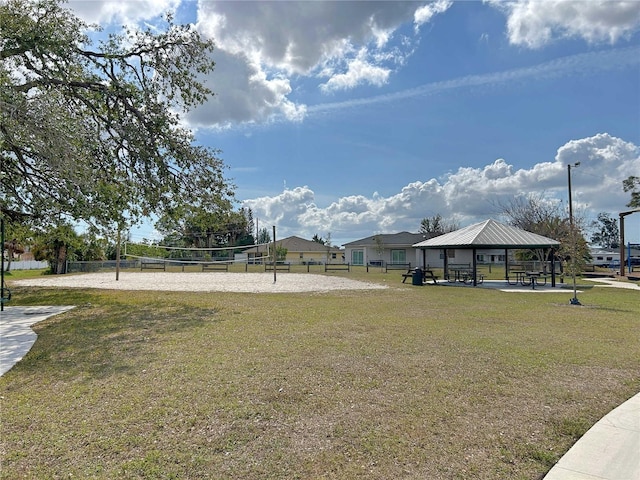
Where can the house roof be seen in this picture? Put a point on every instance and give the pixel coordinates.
(489, 234)
(388, 240)
(295, 244)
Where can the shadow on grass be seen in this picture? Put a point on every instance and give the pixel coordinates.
(27, 296)
(95, 341)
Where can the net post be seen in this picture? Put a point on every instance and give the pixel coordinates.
(275, 263)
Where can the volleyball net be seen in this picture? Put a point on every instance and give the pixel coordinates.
(246, 254)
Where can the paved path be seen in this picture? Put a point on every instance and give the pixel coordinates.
(610, 450)
(612, 282)
(16, 336)
(559, 288)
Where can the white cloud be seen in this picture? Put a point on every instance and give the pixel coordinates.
(535, 23)
(297, 36)
(425, 13)
(344, 44)
(467, 195)
(121, 13)
(604, 162)
(262, 46)
(360, 70)
(243, 94)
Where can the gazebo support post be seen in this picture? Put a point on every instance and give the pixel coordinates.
(506, 265)
(475, 269)
(446, 265)
(553, 267)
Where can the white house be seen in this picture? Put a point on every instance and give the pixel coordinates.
(385, 249)
(399, 248)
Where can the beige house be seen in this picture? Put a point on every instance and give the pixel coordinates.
(299, 252)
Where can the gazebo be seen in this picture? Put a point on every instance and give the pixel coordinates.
(490, 235)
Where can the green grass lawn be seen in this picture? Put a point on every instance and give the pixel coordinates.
(408, 382)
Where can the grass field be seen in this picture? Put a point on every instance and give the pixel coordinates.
(426, 382)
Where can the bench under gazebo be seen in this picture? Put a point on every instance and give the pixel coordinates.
(490, 234)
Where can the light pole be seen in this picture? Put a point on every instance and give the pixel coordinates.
(574, 300)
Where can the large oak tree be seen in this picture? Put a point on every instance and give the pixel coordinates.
(92, 131)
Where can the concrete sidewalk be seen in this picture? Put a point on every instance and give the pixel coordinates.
(16, 336)
(610, 450)
(614, 283)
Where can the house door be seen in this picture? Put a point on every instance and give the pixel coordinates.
(357, 257)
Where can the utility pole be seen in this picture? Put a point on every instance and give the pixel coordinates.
(574, 300)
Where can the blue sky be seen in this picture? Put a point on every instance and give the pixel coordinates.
(354, 118)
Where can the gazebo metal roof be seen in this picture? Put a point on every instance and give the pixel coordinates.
(488, 234)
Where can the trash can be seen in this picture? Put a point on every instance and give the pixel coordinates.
(417, 276)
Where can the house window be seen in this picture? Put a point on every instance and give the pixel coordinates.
(301, 255)
(334, 256)
(480, 258)
(451, 253)
(398, 256)
(357, 257)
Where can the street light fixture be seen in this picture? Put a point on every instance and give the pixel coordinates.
(574, 300)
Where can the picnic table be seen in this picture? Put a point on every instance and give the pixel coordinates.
(533, 278)
(427, 274)
(464, 274)
(460, 274)
(520, 277)
(467, 278)
(529, 277)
